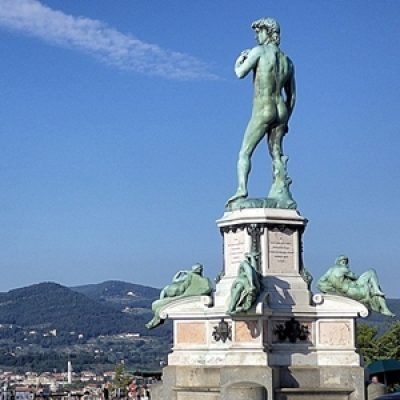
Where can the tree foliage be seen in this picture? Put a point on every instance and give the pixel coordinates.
(389, 342)
(121, 379)
(374, 347)
(367, 342)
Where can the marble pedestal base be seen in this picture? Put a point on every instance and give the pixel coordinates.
(214, 383)
(261, 383)
(254, 360)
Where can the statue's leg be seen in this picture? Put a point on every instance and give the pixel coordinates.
(255, 131)
(235, 295)
(370, 278)
(384, 309)
(275, 141)
(248, 271)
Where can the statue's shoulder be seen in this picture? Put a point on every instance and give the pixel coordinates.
(332, 273)
(270, 48)
(339, 271)
(257, 51)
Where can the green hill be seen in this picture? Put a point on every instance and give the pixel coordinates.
(125, 296)
(48, 306)
(44, 325)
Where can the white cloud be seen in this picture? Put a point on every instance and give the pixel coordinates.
(97, 38)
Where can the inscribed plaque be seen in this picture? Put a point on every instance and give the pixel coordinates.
(234, 251)
(280, 245)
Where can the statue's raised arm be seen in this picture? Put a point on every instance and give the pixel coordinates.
(246, 62)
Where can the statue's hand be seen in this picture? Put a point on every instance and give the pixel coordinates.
(242, 57)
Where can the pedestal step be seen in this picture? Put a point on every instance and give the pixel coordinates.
(312, 393)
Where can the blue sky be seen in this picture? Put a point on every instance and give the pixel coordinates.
(120, 124)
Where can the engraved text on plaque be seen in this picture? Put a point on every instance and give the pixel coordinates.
(281, 250)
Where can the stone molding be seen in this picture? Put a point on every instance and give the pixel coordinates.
(329, 304)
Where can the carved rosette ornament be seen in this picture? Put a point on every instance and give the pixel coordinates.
(222, 331)
(292, 331)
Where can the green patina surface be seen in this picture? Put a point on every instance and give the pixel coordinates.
(246, 287)
(184, 284)
(273, 104)
(339, 279)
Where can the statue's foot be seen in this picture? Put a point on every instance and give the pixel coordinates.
(153, 323)
(388, 313)
(240, 194)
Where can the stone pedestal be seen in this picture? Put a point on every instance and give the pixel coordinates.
(289, 345)
(277, 235)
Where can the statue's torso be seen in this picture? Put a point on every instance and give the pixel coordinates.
(272, 72)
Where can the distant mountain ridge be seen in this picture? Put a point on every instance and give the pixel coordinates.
(115, 288)
(42, 326)
(120, 295)
(92, 310)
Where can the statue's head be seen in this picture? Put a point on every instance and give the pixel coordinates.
(267, 30)
(197, 269)
(342, 260)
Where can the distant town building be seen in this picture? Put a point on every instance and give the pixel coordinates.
(69, 378)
